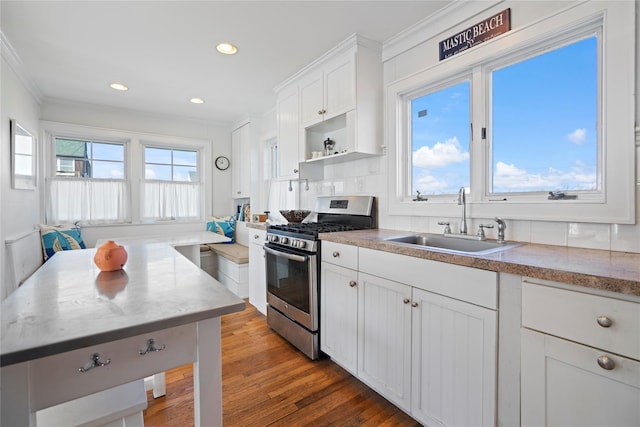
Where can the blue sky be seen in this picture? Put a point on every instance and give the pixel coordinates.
(543, 127)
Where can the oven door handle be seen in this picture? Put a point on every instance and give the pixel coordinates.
(292, 257)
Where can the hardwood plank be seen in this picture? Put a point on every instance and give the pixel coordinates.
(268, 382)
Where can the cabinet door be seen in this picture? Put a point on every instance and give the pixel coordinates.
(563, 385)
(339, 315)
(288, 134)
(453, 361)
(384, 337)
(311, 102)
(339, 88)
(257, 271)
(241, 162)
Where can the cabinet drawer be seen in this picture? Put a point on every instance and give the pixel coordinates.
(583, 318)
(58, 378)
(340, 254)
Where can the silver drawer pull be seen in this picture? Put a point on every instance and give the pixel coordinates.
(414, 304)
(604, 321)
(406, 301)
(95, 363)
(352, 283)
(151, 346)
(606, 363)
(336, 254)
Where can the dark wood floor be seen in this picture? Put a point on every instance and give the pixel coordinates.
(267, 382)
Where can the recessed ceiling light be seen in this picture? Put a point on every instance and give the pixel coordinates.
(197, 100)
(226, 48)
(118, 86)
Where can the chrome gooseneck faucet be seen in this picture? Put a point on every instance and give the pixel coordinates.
(462, 200)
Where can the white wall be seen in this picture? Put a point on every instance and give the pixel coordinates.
(412, 51)
(20, 209)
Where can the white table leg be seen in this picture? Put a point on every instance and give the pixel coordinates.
(207, 374)
(15, 406)
(159, 385)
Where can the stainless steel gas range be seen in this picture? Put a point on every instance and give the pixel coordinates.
(293, 267)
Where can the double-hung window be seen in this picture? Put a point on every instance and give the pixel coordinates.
(89, 183)
(172, 184)
(534, 126)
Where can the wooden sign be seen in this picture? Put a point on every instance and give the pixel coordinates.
(473, 36)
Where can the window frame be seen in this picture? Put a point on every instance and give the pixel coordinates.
(134, 164)
(154, 143)
(616, 112)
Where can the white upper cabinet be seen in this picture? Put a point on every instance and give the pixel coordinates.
(339, 97)
(328, 93)
(241, 162)
(288, 133)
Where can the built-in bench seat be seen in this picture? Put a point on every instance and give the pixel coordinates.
(229, 264)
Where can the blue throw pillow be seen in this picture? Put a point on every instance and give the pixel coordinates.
(223, 225)
(60, 238)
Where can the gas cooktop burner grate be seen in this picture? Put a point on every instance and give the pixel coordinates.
(312, 228)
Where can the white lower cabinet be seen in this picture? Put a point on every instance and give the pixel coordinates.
(257, 270)
(339, 315)
(563, 385)
(384, 338)
(580, 358)
(432, 355)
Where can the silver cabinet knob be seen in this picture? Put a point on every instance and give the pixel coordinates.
(95, 363)
(606, 362)
(406, 300)
(335, 254)
(352, 283)
(414, 304)
(604, 321)
(256, 236)
(295, 171)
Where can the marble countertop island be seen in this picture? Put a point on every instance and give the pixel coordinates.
(68, 303)
(605, 270)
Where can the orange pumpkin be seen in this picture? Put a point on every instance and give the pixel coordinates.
(110, 256)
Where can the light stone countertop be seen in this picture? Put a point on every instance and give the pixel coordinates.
(69, 304)
(174, 239)
(604, 270)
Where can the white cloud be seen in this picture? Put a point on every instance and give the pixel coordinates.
(149, 174)
(578, 136)
(509, 177)
(429, 184)
(442, 154)
(117, 174)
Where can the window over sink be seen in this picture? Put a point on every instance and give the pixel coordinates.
(540, 119)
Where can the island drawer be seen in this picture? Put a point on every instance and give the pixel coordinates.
(340, 254)
(55, 379)
(606, 323)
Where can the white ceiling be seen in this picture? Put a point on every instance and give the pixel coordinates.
(165, 50)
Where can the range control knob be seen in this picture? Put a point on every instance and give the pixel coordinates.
(284, 240)
(302, 244)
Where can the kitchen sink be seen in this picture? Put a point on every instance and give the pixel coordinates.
(452, 244)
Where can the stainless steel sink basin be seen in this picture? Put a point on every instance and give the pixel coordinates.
(440, 243)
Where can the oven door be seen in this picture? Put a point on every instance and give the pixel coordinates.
(292, 284)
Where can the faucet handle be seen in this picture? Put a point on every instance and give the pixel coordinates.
(447, 228)
(481, 228)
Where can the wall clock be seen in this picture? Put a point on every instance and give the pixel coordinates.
(222, 163)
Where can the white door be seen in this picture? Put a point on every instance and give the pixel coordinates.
(339, 315)
(339, 88)
(384, 337)
(453, 361)
(564, 385)
(241, 162)
(311, 100)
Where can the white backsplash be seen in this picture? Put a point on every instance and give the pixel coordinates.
(368, 177)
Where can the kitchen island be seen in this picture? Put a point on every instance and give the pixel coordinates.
(71, 330)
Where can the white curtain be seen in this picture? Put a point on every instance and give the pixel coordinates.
(171, 200)
(87, 200)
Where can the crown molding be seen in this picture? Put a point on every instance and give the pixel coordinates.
(10, 55)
